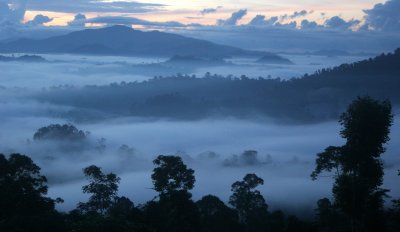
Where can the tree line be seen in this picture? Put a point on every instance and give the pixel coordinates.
(356, 205)
(315, 97)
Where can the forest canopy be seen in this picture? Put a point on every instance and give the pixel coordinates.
(358, 196)
(316, 97)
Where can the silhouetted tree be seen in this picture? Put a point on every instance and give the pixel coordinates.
(124, 212)
(175, 211)
(105, 211)
(171, 175)
(357, 164)
(394, 215)
(294, 224)
(23, 202)
(216, 216)
(103, 187)
(122, 206)
(276, 222)
(249, 203)
(328, 218)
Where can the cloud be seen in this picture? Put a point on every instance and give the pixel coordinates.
(292, 24)
(278, 38)
(302, 13)
(12, 11)
(11, 15)
(234, 19)
(279, 21)
(260, 20)
(210, 10)
(309, 25)
(92, 6)
(384, 16)
(194, 17)
(122, 20)
(296, 14)
(337, 22)
(39, 20)
(79, 21)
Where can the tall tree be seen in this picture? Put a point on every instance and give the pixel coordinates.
(215, 216)
(357, 165)
(23, 202)
(175, 211)
(171, 174)
(249, 203)
(394, 215)
(103, 187)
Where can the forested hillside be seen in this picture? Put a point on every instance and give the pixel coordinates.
(316, 97)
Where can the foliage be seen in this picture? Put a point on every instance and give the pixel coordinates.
(215, 216)
(103, 187)
(394, 215)
(175, 210)
(248, 202)
(357, 193)
(315, 97)
(23, 202)
(66, 132)
(357, 164)
(171, 174)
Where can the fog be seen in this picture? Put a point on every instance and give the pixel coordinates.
(285, 156)
(213, 147)
(87, 70)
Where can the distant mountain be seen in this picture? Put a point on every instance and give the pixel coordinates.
(272, 59)
(125, 41)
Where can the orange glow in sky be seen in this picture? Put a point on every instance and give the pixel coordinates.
(187, 12)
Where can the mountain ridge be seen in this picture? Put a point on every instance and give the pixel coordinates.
(125, 41)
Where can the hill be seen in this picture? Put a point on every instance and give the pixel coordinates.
(271, 59)
(125, 41)
(316, 97)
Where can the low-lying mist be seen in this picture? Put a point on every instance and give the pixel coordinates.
(220, 150)
(87, 70)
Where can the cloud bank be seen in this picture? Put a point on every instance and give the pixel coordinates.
(378, 31)
(384, 16)
(39, 20)
(92, 6)
(206, 11)
(234, 19)
(12, 11)
(121, 20)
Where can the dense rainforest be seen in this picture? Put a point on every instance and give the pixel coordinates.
(311, 98)
(356, 203)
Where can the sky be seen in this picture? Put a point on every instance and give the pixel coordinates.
(374, 23)
(205, 12)
(255, 24)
